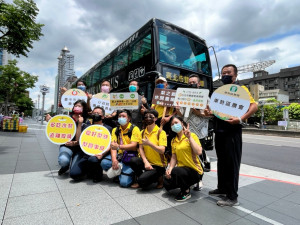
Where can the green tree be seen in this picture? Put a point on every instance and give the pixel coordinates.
(294, 111)
(272, 111)
(25, 105)
(13, 84)
(18, 27)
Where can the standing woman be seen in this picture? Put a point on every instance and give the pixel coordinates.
(67, 150)
(185, 150)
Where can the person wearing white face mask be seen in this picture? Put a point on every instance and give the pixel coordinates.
(185, 150)
(125, 138)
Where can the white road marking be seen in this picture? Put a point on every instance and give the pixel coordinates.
(34, 129)
(266, 219)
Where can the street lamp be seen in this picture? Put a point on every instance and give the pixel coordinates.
(43, 89)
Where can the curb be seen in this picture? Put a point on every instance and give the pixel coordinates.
(283, 133)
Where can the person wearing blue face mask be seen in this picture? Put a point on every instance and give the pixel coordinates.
(185, 151)
(137, 114)
(125, 138)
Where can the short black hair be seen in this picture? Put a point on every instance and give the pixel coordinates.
(102, 109)
(195, 75)
(124, 111)
(151, 111)
(134, 81)
(105, 80)
(80, 81)
(231, 65)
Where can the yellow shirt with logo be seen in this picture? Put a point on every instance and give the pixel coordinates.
(135, 137)
(160, 110)
(184, 153)
(251, 98)
(153, 157)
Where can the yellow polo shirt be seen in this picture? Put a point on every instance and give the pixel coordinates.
(153, 156)
(160, 110)
(251, 98)
(184, 153)
(135, 137)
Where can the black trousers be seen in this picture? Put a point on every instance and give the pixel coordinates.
(182, 177)
(145, 177)
(229, 152)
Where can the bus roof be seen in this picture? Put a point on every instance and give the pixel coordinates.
(153, 21)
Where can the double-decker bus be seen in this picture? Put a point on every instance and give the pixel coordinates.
(157, 49)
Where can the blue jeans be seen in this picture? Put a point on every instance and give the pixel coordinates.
(65, 155)
(127, 174)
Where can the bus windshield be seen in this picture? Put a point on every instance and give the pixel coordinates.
(181, 51)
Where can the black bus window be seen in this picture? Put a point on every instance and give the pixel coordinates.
(140, 49)
(96, 76)
(121, 60)
(179, 50)
(106, 69)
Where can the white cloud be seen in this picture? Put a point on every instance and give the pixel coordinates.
(92, 28)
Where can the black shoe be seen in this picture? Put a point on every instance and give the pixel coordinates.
(228, 202)
(97, 179)
(216, 192)
(63, 170)
(183, 196)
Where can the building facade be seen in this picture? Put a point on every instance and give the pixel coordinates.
(287, 80)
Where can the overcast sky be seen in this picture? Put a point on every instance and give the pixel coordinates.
(242, 32)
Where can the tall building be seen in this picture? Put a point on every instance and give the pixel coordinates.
(65, 71)
(4, 57)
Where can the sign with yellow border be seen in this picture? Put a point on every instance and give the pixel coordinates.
(95, 139)
(60, 129)
(71, 96)
(124, 100)
(229, 101)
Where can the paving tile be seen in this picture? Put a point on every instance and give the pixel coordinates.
(256, 197)
(278, 216)
(73, 197)
(127, 222)
(7, 170)
(276, 189)
(31, 166)
(4, 189)
(6, 178)
(31, 156)
(64, 182)
(242, 221)
(245, 204)
(33, 187)
(114, 189)
(53, 217)
(141, 204)
(294, 197)
(287, 208)
(165, 217)
(107, 212)
(33, 176)
(3, 202)
(206, 212)
(30, 204)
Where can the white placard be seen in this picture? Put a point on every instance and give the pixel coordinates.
(71, 96)
(102, 100)
(124, 100)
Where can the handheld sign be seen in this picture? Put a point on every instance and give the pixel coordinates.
(191, 98)
(229, 101)
(124, 100)
(198, 125)
(95, 139)
(60, 129)
(71, 96)
(164, 97)
(102, 100)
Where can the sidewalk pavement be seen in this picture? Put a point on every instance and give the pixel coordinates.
(32, 193)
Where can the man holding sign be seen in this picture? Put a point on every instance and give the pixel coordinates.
(228, 137)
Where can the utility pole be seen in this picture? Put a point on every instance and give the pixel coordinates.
(43, 89)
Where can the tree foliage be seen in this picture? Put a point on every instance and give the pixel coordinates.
(13, 85)
(18, 27)
(294, 111)
(273, 112)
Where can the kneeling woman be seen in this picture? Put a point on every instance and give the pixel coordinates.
(185, 150)
(151, 149)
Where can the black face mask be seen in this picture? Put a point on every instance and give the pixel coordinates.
(193, 86)
(226, 79)
(96, 117)
(149, 121)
